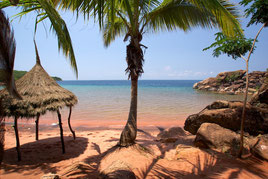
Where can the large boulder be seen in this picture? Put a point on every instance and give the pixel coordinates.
(171, 135)
(228, 115)
(260, 99)
(260, 149)
(214, 136)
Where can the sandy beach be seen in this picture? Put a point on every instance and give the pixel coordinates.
(95, 149)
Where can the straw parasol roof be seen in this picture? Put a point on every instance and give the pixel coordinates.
(40, 94)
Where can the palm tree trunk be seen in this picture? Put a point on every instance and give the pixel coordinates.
(61, 132)
(69, 122)
(37, 127)
(2, 137)
(2, 133)
(128, 135)
(17, 138)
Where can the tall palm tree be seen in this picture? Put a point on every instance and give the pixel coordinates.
(133, 18)
(7, 56)
(47, 9)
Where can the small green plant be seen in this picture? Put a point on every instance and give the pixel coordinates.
(218, 81)
(233, 77)
(257, 87)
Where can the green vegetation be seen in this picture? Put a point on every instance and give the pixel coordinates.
(18, 74)
(232, 46)
(258, 11)
(233, 77)
(56, 78)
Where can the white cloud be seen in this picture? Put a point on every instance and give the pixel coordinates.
(167, 68)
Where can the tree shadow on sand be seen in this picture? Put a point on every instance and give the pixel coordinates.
(43, 153)
(89, 168)
(210, 165)
(204, 164)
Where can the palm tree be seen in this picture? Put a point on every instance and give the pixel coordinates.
(7, 56)
(133, 18)
(47, 10)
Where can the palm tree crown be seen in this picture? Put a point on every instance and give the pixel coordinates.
(132, 18)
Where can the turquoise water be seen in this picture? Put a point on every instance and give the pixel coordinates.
(158, 100)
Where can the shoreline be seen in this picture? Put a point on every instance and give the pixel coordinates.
(93, 125)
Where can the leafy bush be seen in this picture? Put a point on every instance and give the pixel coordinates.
(233, 77)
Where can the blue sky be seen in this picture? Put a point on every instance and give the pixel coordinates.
(172, 55)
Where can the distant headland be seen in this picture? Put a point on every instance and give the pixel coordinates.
(18, 74)
(233, 82)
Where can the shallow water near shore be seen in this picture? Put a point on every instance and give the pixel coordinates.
(106, 102)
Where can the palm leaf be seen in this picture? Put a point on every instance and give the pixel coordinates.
(47, 9)
(61, 30)
(7, 55)
(185, 14)
(178, 14)
(225, 13)
(112, 30)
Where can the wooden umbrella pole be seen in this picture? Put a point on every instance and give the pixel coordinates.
(17, 138)
(37, 126)
(69, 122)
(61, 132)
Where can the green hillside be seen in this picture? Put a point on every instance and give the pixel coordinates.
(19, 74)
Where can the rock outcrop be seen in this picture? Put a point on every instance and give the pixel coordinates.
(171, 135)
(214, 136)
(228, 115)
(233, 82)
(260, 99)
(260, 149)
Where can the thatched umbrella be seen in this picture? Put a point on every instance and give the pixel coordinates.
(40, 94)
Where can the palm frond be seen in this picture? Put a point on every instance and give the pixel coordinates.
(225, 14)
(7, 55)
(61, 30)
(178, 14)
(185, 14)
(47, 9)
(112, 30)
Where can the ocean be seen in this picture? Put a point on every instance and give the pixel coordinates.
(159, 101)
